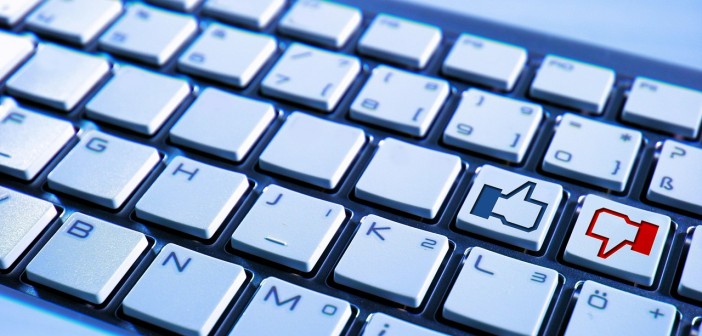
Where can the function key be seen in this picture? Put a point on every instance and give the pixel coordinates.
(400, 41)
(605, 311)
(483, 61)
(574, 84)
(500, 295)
(664, 107)
(618, 240)
(255, 14)
(675, 181)
(605, 159)
(321, 22)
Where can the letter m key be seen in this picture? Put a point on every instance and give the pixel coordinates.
(274, 293)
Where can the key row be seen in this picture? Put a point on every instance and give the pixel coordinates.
(560, 80)
(80, 242)
(320, 152)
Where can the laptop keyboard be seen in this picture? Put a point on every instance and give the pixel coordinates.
(306, 167)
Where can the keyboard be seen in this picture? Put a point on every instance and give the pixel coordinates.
(272, 167)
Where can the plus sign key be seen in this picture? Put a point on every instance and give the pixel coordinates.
(602, 310)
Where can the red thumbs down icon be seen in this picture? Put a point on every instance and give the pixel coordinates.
(616, 231)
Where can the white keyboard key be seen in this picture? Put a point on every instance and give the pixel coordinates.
(184, 291)
(289, 228)
(691, 280)
(250, 13)
(574, 84)
(87, 257)
(500, 295)
(321, 22)
(75, 21)
(180, 5)
(400, 100)
(23, 219)
(312, 150)
(138, 100)
(281, 308)
(382, 324)
(58, 77)
(29, 140)
(675, 181)
(223, 124)
(11, 11)
(15, 50)
(212, 56)
(311, 77)
(484, 61)
(493, 125)
(148, 34)
(618, 240)
(192, 197)
(586, 161)
(509, 207)
(664, 107)
(408, 178)
(606, 311)
(400, 41)
(376, 260)
(103, 169)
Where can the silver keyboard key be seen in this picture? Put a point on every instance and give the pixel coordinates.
(391, 260)
(691, 279)
(312, 150)
(29, 140)
(148, 34)
(255, 14)
(289, 228)
(494, 125)
(400, 100)
(15, 50)
(500, 295)
(664, 107)
(138, 100)
(588, 161)
(281, 308)
(400, 41)
(87, 257)
(618, 239)
(311, 77)
(180, 5)
(212, 56)
(23, 219)
(11, 11)
(605, 311)
(58, 77)
(223, 124)
(510, 207)
(484, 61)
(382, 324)
(573, 84)
(184, 291)
(325, 23)
(675, 181)
(75, 21)
(192, 197)
(103, 169)
(408, 178)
